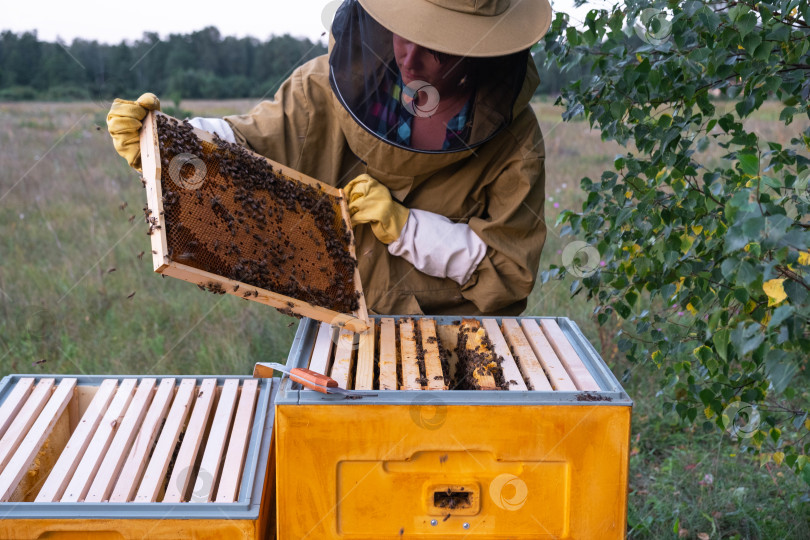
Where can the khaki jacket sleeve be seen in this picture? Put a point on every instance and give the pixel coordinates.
(514, 230)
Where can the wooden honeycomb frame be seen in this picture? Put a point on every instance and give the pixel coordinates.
(356, 321)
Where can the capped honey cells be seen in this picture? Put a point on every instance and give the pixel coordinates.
(229, 212)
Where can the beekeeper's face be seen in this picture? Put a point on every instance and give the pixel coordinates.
(417, 63)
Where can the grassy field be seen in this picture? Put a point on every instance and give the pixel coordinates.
(69, 266)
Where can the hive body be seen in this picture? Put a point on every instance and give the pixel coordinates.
(130, 456)
(526, 437)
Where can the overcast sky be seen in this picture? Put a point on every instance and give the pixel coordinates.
(113, 21)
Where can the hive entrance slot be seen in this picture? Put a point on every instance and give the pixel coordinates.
(451, 499)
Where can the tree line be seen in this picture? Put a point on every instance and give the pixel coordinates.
(203, 64)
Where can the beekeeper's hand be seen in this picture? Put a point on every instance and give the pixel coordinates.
(370, 202)
(124, 123)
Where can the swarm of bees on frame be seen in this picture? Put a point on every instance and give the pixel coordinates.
(250, 223)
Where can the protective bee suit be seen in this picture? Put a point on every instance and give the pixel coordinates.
(475, 229)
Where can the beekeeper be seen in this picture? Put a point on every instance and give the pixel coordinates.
(420, 111)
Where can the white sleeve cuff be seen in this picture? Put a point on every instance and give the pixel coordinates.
(438, 247)
(214, 125)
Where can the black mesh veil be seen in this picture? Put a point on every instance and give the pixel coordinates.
(365, 77)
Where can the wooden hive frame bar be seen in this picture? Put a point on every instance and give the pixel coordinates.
(211, 463)
(65, 466)
(448, 336)
(192, 440)
(136, 461)
(91, 460)
(411, 377)
(342, 366)
(14, 402)
(388, 354)
(475, 351)
(113, 461)
(432, 359)
(159, 463)
(559, 378)
(150, 158)
(27, 451)
(322, 350)
(568, 356)
(511, 372)
(24, 420)
(529, 364)
(364, 378)
(228, 489)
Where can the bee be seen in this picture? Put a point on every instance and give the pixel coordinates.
(39, 362)
(131, 295)
(132, 218)
(140, 256)
(122, 206)
(111, 270)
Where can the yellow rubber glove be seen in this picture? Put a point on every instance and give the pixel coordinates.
(124, 123)
(371, 202)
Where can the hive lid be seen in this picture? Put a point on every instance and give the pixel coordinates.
(232, 221)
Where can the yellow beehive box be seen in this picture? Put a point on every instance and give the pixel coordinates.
(96, 457)
(532, 462)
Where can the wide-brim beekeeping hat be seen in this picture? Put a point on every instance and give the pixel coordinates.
(479, 28)
(486, 56)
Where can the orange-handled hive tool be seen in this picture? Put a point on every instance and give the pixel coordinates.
(310, 379)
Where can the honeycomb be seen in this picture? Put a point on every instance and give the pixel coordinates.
(228, 211)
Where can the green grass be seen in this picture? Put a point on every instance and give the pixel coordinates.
(64, 310)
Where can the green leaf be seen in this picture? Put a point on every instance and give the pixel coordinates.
(763, 51)
(749, 163)
(752, 227)
(780, 314)
(706, 396)
(622, 309)
(720, 339)
(746, 23)
(751, 42)
(780, 369)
